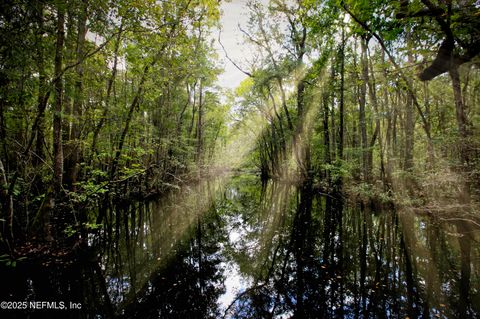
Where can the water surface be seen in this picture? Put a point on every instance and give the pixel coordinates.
(237, 248)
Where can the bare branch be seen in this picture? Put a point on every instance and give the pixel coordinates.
(229, 59)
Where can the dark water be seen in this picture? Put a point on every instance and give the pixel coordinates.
(234, 248)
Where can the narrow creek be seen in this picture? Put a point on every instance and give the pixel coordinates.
(233, 247)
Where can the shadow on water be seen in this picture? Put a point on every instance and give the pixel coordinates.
(240, 249)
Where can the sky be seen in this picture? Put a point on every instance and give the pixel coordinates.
(233, 13)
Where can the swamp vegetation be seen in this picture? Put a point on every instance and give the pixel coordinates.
(341, 178)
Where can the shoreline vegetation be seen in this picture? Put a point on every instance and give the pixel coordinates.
(108, 103)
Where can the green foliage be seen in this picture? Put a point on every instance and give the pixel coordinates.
(338, 170)
(146, 110)
(140, 106)
(71, 230)
(361, 54)
(9, 261)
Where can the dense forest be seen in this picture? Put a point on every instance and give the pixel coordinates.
(107, 102)
(101, 100)
(383, 95)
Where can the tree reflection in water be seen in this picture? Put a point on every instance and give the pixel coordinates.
(247, 250)
(330, 260)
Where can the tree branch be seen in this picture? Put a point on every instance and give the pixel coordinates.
(395, 64)
(229, 59)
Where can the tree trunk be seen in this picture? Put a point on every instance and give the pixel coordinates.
(280, 125)
(409, 122)
(462, 122)
(300, 48)
(386, 144)
(463, 129)
(57, 115)
(41, 102)
(333, 128)
(342, 97)
(133, 105)
(6, 203)
(194, 110)
(135, 102)
(361, 114)
(73, 164)
(377, 132)
(110, 84)
(199, 133)
(300, 100)
(179, 121)
(326, 135)
(431, 155)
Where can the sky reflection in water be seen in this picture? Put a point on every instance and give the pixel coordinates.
(234, 248)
